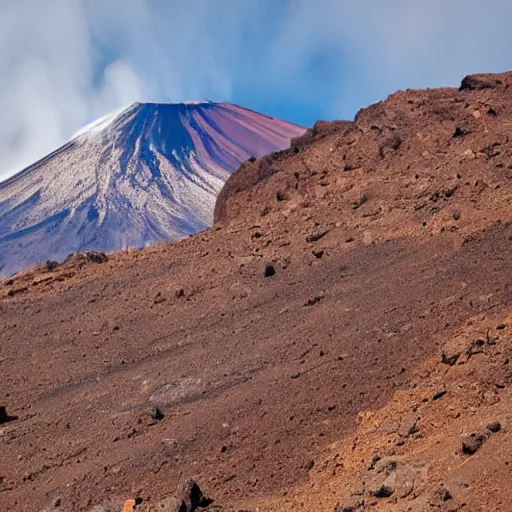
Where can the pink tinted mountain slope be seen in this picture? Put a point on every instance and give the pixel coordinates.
(148, 174)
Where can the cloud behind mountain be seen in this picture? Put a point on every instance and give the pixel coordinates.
(65, 63)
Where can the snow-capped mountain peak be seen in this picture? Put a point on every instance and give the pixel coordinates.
(147, 173)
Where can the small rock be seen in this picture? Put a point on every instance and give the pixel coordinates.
(450, 360)
(316, 236)
(314, 300)
(375, 459)
(281, 196)
(460, 132)
(50, 266)
(385, 466)
(472, 443)
(494, 427)
(382, 483)
(444, 494)
(408, 426)
(270, 270)
(469, 154)
(353, 504)
(4, 417)
(129, 506)
(310, 465)
(439, 394)
(192, 497)
(157, 414)
(387, 488)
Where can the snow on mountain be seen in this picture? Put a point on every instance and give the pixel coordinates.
(147, 174)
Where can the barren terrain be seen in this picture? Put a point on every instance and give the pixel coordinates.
(339, 341)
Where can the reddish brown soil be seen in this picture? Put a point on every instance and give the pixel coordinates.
(391, 242)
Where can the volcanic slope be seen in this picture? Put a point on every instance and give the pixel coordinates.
(150, 173)
(339, 341)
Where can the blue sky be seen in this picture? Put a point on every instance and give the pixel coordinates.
(64, 63)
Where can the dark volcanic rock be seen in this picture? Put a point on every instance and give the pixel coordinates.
(451, 359)
(473, 443)
(387, 488)
(270, 270)
(4, 417)
(192, 497)
(157, 414)
(494, 427)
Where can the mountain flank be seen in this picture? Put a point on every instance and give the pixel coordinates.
(339, 341)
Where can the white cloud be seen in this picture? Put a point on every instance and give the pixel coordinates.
(121, 84)
(387, 45)
(65, 63)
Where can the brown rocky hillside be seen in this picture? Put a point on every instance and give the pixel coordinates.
(340, 341)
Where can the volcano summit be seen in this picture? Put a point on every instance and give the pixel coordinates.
(148, 174)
